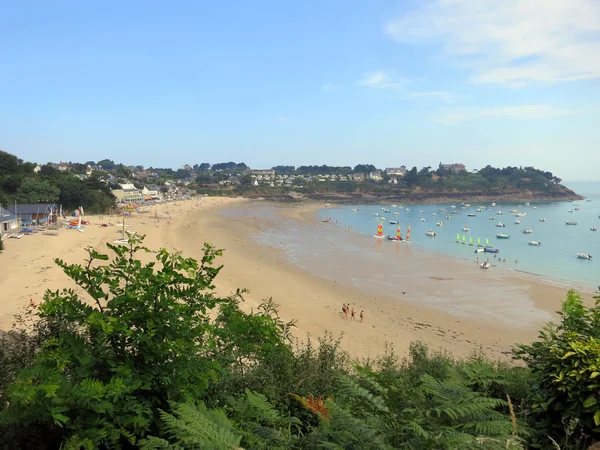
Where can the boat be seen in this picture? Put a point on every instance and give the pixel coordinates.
(376, 214)
(517, 222)
(479, 250)
(479, 244)
(379, 234)
(452, 206)
(407, 209)
(571, 223)
(448, 217)
(422, 219)
(465, 228)
(470, 241)
(396, 213)
(499, 213)
(490, 249)
(520, 214)
(430, 233)
(514, 211)
(443, 210)
(593, 229)
(584, 256)
(386, 210)
(464, 239)
(454, 212)
(354, 210)
(570, 211)
(467, 204)
(484, 265)
(542, 219)
(471, 215)
(394, 222)
(493, 204)
(398, 236)
(526, 230)
(435, 214)
(439, 223)
(422, 212)
(535, 243)
(479, 209)
(492, 218)
(503, 236)
(500, 225)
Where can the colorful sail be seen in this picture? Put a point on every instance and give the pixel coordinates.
(380, 229)
(398, 234)
(408, 233)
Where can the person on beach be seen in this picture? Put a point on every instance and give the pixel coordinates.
(353, 318)
(361, 315)
(344, 309)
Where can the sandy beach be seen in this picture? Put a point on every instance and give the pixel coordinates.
(431, 307)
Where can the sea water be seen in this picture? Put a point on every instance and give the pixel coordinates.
(555, 258)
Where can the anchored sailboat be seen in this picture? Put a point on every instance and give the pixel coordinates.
(379, 234)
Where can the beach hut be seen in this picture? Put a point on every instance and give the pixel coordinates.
(36, 213)
(9, 223)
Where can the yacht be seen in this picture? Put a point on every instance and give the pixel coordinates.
(584, 256)
(527, 230)
(517, 222)
(430, 233)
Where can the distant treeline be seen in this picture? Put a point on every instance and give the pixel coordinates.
(19, 182)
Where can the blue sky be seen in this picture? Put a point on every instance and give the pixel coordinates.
(313, 82)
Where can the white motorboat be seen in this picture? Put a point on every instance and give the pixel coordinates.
(354, 210)
(386, 210)
(394, 222)
(396, 213)
(448, 217)
(479, 250)
(485, 265)
(517, 222)
(570, 211)
(593, 229)
(470, 215)
(584, 256)
(466, 229)
(493, 204)
(492, 218)
(422, 219)
(520, 214)
(407, 209)
(499, 213)
(422, 212)
(503, 236)
(443, 210)
(376, 214)
(535, 243)
(542, 219)
(439, 223)
(479, 210)
(527, 230)
(571, 223)
(452, 206)
(500, 225)
(514, 211)
(435, 214)
(430, 233)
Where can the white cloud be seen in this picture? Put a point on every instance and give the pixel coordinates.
(510, 41)
(511, 112)
(399, 86)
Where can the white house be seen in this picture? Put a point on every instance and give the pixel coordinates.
(151, 191)
(126, 186)
(8, 221)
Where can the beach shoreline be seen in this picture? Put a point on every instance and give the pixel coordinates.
(265, 270)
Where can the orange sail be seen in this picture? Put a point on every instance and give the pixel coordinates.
(408, 234)
(380, 229)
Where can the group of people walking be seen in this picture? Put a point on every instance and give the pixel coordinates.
(349, 312)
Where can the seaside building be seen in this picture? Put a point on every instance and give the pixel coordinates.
(8, 221)
(263, 172)
(152, 192)
(376, 175)
(128, 195)
(358, 177)
(36, 213)
(454, 167)
(396, 171)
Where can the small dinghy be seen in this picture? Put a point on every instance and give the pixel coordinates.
(584, 256)
(535, 243)
(571, 223)
(527, 230)
(593, 229)
(502, 236)
(430, 233)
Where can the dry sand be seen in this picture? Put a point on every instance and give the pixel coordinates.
(27, 270)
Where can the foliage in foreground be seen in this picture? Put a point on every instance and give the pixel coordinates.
(151, 358)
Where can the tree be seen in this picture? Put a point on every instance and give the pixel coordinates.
(411, 178)
(48, 170)
(107, 164)
(33, 190)
(565, 361)
(9, 164)
(204, 166)
(157, 334)
(364, 168)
